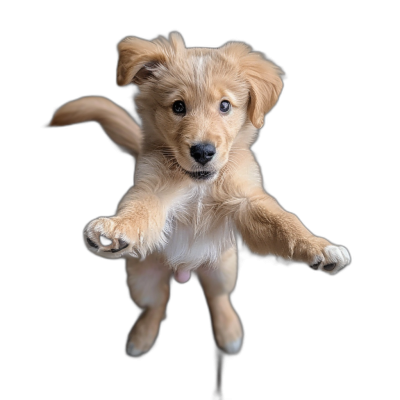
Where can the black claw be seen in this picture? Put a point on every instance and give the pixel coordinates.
(105, 241)
(122, 244)
(329, 267)
(91, 243)
(317, 264)
(121, 248)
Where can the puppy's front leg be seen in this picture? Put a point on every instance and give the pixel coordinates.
(137, 228)
(269, 229)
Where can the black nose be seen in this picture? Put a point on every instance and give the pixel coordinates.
(203, 152)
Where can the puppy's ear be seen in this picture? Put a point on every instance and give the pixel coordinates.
(139, 58)
(136, 58)
(177, 42)
(262, 76)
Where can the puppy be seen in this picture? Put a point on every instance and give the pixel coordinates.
(197, 182)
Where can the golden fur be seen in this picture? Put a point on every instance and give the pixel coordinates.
(171, 218)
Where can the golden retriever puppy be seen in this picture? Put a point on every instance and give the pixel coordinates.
(196, 180)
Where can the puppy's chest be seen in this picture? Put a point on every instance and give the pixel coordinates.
(197, 235)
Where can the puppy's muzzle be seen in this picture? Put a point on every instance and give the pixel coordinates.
(203, 152)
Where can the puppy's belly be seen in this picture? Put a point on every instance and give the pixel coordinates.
(188, 249)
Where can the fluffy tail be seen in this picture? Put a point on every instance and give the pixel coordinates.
(115, 121)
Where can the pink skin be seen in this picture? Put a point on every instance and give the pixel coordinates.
(182, 276)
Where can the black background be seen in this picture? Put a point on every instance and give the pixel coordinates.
(306, 333)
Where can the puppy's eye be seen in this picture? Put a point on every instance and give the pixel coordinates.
(225, 106)
(179, 107)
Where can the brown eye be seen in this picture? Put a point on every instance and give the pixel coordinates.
(179, 107)
(225, 106)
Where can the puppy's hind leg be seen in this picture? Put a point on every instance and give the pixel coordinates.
(149, 286)
(218, 284)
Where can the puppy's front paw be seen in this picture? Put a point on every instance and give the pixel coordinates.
(332, 260)
(116, 230)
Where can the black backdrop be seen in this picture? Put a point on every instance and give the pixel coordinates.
(304, 331)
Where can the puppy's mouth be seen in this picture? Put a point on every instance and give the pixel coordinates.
(200, 175)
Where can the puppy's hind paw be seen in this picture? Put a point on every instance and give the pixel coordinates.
(232, 347)
(132, 351)
(333, 259)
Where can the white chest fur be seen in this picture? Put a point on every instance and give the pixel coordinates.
(195, 235)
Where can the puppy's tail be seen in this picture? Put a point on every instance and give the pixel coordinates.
(115, 121)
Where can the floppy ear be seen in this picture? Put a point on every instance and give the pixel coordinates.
(136, 59)
(263, 77)
(139, 58)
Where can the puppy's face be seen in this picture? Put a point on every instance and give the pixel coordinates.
(197, 104)
(196, 101)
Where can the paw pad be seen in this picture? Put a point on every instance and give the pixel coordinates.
(91, 243)
(317, 263)
(329, 267)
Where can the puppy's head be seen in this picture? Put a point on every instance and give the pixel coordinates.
(195, 102)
